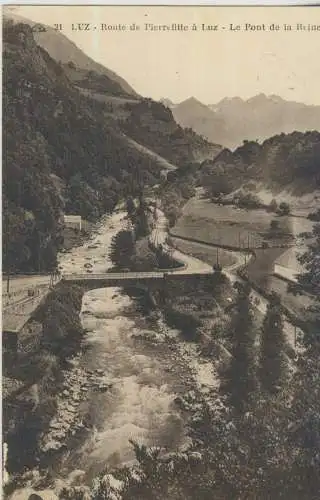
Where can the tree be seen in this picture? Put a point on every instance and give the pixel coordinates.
(273, 205)
(284, 208)
(274, 225)
(305, 407)
(72, 65)
(310, 259)
(142, 224)
(273, 367)
(315, 216)
(304, 412)
(304, 430)
(122, 248)
(217, 183)
(240, 379)
(247, 200)
(130, 206)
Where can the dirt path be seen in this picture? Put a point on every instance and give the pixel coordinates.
(162, 162)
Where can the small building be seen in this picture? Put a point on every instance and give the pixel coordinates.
(73, 221)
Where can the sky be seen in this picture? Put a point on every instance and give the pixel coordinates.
(207, 64)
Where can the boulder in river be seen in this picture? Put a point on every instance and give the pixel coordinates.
(195, 456)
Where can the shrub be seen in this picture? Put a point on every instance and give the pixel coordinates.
(187, 323)
(273, 206)
(314, 216)
(247, 200)
(274, 225)
(72, 65)
(284, 208)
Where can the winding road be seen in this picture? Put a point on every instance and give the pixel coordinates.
(20, 307)
(195, 266)
(191, 265)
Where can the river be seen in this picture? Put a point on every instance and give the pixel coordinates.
(139, 404)
(146, 365)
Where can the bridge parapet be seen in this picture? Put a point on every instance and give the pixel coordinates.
(92, 281)
(113, 276)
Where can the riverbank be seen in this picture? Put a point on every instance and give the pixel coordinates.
(43, 415)
(185, 369)
(116, 388)
(74, 237)
(41, 371)
(132, 379)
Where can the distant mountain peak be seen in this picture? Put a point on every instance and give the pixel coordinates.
(234, 119)
(230, 100)
(192, 100)
(193, 103)
(257, 98)
(276, 98)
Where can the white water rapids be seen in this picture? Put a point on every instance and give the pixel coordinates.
(139, 404)
(146, 367)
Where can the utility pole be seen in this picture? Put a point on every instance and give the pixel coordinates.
(39, 254)
(246, 251)
(7, 252)
(217, 262)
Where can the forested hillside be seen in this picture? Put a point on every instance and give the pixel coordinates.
(59, 154)
(65, 152)
(152, 124)
(92, 80)
(284, 161)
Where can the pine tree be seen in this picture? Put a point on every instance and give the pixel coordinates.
(122, 248)
(240, 380)
(305, 407)
(130, 206)
(142, 225)
(273, 361)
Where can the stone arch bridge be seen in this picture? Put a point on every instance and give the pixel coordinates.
(152, 280)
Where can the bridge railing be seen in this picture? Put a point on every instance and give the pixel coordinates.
(25, 308)
(112, 276)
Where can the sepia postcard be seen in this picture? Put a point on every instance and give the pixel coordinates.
(161, 252)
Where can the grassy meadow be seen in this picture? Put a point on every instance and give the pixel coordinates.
(228, 225)
(204, 252)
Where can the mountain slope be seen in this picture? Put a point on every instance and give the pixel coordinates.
(283, 162)
(62, 50)
(153, 125)
(65, 151)
(233, 120)
(101, 84)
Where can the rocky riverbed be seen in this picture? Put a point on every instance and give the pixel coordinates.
(68, 421)
(136, 379)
